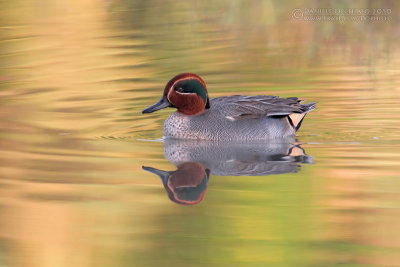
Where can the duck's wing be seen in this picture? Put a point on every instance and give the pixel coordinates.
(244, 107)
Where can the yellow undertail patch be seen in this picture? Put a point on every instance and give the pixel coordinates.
(296, 151)
(296, 119)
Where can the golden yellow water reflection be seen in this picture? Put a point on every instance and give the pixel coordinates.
(74, 76)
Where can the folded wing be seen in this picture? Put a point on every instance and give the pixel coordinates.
(238, 107)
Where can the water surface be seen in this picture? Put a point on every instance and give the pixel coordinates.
(74, 77)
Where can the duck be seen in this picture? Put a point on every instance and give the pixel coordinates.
(228, 158)
(197, 160)
(186, 185)
(226, 118)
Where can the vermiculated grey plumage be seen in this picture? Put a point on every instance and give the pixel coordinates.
(239, 118)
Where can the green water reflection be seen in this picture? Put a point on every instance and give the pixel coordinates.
(75, 75)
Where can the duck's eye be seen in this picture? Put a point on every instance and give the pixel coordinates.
(179, 89)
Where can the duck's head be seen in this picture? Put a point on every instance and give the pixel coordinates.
(187, 92)
(187, 185)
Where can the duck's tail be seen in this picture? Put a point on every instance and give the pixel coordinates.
(295, 119)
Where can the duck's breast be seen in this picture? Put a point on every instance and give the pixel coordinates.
(213, 125)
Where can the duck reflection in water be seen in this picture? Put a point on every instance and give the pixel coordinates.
(187, 185)
(196, 160)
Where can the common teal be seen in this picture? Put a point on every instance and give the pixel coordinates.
(237, 158)
(187, 185)
(196, 160)
(229, 117)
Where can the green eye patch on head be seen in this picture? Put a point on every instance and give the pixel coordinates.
(191, 86)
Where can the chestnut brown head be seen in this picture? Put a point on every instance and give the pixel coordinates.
(186, 185)
(187, 92)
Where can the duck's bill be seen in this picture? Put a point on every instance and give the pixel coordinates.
(163, 103)
(162, 174)
(155, 171)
